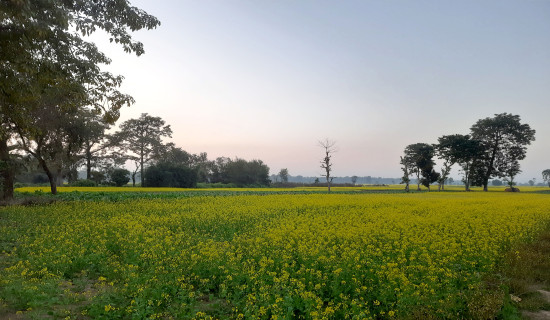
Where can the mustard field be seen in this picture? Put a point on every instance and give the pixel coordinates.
(264, 256)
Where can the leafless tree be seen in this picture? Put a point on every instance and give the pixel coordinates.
(326, 163)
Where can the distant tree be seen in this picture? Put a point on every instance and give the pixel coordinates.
(141, 141)
(326, 163)
(218, 169)
(407, 166)
(446, 149)
(531, 183)
(451, 180)
(496, 183)
(283, 174)
(96, 143)
(420, 158)
(546, 176)
(353, 179)
(120, 177)
(316, 181)
(246, 173)
(170, 175)
(461, 149)
(503, 138)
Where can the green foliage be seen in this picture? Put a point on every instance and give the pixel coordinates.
(169, 175)
(141, 141)
(496, 182)
(120, 177)
(418, 159)
(504, 140)
(51, 75)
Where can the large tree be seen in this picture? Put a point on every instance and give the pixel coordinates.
(43, 52)
(504, 139)
(460, 149)
(141, 140)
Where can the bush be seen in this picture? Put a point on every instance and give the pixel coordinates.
(120, 177)
(169, 175)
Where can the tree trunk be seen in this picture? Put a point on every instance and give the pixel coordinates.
(8, 171)
(51, 177)
(141, 169)
(88, 164)
(59, 178)
(134, 179)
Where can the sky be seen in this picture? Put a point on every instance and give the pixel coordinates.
(269, 79)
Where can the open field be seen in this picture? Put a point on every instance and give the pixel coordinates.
(274, 254)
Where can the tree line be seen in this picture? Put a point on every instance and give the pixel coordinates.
(493, 149)
(56, 102)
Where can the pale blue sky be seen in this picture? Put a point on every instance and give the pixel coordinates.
(267, 79)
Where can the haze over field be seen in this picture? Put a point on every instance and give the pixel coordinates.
(266, 80)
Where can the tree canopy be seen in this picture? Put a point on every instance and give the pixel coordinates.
(504, 140)
(48, 67)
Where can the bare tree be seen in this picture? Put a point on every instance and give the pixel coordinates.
(326, 164)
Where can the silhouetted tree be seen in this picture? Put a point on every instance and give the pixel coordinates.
(326, 163)
(406, 166)
(283, 174)
(503, 139)
(141, 140)
(419, 157)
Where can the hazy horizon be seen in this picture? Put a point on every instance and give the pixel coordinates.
(267, 80)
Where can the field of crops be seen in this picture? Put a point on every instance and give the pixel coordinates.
(271, 255)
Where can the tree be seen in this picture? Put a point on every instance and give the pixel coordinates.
(170, 175)
(461, 149)
(326, 163)
(246, 173)
(120, 177)
(419, 157)
(353, 179)
(503, 139)
(141, 141)
(44, 62)
(407, 167)
(283, 174)
(546, 176)
(53, 138)
(496, 183)
(446, 150)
